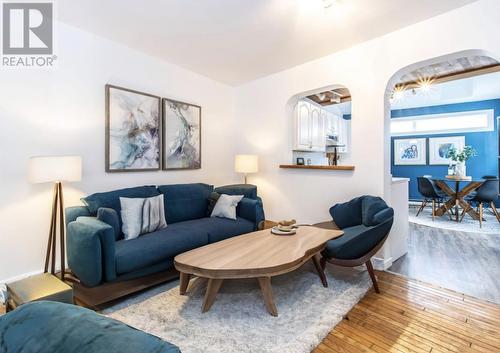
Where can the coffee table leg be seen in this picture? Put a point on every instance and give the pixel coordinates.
(184, 279)
(212, 290)
(317, 263)
(267, 292)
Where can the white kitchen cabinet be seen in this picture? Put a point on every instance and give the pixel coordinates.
(309, 127)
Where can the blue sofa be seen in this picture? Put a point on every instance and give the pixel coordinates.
(50, 327)
(98, 254)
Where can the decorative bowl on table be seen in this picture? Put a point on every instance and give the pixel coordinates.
(285, 228)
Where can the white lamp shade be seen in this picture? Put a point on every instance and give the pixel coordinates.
(46, 169)
(246, 163)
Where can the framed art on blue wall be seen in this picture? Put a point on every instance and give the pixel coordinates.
(440, 146)
(410, 151)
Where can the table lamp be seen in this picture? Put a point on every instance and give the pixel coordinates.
(55, 169)
(246, 164)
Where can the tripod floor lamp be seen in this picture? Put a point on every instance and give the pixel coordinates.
(55, 169)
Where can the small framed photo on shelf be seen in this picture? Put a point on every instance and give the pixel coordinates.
(440, 146)
(410, 151)
(300, 161)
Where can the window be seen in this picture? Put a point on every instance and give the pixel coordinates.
(473, 121)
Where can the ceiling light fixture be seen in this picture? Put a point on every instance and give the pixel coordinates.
(425, 84)
(398, 93)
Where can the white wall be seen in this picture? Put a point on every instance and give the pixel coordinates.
(365, 70)
(61, 111)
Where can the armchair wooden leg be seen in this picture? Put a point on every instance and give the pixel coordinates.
(433, 209)
(480, 215)
(369, 266)
(322, 262)
(495, 211)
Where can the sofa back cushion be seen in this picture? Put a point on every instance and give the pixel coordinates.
(247, 190)
(370, 208)
(111, 199)
(184, 202)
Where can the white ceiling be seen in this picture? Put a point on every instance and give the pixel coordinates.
(235, 41)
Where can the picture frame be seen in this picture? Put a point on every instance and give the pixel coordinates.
(181, 135)
(133, 130)
(300, 161)
(410, 151)
(439, 147)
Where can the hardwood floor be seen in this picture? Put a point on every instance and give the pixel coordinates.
(412, 316)
(464, 262)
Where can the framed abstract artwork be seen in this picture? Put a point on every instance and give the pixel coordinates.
(410, 151)
(181, 135)
(133, 126)
(440, 146)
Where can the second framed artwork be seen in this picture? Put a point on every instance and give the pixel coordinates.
(181, 135)
(440, 146)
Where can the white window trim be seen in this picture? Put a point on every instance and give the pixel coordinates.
(488, 112)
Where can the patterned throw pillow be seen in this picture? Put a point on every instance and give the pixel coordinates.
(226, 206)
(142, 215)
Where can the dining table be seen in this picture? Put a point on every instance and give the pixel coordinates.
(457, 195)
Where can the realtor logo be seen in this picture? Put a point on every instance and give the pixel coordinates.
(28, 34)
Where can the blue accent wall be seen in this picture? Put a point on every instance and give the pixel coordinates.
(485, 143)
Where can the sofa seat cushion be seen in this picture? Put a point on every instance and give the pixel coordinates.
(352, 245)
(153, 248)
(221, 228)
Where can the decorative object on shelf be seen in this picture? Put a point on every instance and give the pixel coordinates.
(333, 156)
(410, 151)
(309, 162)
(246, 164)
(300, 161)
(55, 169)
(181, 135)
(460, 157)
(440, 146)
(132, 130)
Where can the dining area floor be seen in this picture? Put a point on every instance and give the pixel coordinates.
(459, 256)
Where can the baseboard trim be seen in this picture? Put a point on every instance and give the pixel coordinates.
(21, 276)
(382, 264)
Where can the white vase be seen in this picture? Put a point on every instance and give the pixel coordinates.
(461, 169)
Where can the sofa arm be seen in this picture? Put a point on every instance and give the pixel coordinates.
(252, 210)
(72, 213)
(91, 250)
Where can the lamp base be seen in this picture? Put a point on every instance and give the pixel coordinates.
(57, 209)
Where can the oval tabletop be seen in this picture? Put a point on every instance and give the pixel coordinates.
(255, 254)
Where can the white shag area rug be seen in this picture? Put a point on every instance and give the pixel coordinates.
(238, 320)
(490, 223)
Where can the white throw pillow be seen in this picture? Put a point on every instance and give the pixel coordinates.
(226, 206)
(142, 215)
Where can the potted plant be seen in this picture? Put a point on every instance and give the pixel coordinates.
(460, 157)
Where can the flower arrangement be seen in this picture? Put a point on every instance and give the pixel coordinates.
(460, 157)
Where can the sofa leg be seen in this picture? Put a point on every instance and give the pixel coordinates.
(369, 266)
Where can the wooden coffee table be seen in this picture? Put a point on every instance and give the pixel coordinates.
(259, 255)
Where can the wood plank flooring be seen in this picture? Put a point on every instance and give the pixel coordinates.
(412, 316)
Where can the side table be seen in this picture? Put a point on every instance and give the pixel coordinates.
(39, 287)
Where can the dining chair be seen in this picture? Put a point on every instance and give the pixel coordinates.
(430, 192)
(486, 193)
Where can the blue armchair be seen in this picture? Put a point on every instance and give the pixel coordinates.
(51, 327)
(366, 222)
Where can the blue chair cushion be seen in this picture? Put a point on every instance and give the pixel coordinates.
(370, 206)
(357, 241)
(246, 190)
(51, 327)
(347, 214)
(184, 202)
(153, 248)
(221, 228)
(110, 217)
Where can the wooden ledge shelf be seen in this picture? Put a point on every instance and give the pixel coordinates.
(322, 167)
